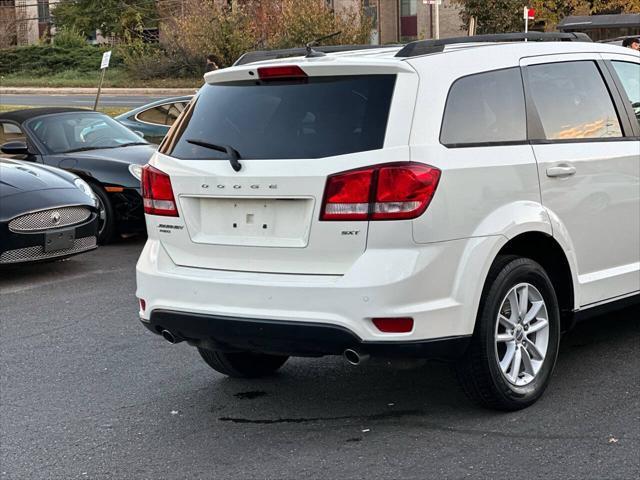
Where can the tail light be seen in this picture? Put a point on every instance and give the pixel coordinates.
(157, 193)
(382, 192)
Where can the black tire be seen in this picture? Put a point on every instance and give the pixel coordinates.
(107, 224)
(479, 370)
(242, 364)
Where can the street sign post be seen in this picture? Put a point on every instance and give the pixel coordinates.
(106, 58)
(529, 14)
(436, 15)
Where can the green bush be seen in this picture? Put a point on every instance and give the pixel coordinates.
(39, 60)
(69, 38)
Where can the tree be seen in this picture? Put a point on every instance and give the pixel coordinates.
(498, 16)
(111, 17)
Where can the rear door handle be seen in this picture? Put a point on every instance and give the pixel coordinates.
(561, 171)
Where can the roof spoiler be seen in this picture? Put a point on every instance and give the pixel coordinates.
(260, 55)
(425, 47)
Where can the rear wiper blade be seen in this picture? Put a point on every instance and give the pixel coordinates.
(233, 154)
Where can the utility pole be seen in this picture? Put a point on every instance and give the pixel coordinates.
(437, 15)
(435, 10)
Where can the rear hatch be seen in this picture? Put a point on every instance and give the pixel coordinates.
(292, 126)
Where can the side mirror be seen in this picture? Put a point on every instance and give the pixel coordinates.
(15, 148)
(139, 133)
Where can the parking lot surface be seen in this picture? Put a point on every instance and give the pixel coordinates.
(87, 392)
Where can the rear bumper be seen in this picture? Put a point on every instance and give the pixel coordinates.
(292, 338)
(437, 285)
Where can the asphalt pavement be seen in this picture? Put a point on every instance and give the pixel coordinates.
(87, 392)
(132, 101)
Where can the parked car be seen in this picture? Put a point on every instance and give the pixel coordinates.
(464, 199)
(45, 213)
(154, 119)
(101, 151)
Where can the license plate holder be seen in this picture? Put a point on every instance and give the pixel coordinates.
(59, 240)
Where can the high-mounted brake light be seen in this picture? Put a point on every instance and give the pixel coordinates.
(381, 192)
(281, 72)
(157, 193)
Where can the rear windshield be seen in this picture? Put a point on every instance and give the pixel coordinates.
(322, 117)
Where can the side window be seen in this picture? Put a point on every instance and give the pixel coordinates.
(629, 74)
(175, 109)
(485, 108)
(10, 133)
(155, 115)
(573, 101)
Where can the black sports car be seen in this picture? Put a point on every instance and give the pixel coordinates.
(45, 213)
(101, 151)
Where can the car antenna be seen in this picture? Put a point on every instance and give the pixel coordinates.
(311, 53)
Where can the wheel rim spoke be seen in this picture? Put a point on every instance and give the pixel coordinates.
(506, 322)
(538, 326)
(508, 357)
(504, 337)
(533, 312)
(523, 300)
(515, 367)
(526, 362)
(513, 301)
(533, 350)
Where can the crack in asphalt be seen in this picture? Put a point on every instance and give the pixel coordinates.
(377, 416)
(426, 425)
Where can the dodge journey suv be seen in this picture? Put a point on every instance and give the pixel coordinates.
(464, 200)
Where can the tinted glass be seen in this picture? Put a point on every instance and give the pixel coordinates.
(174, 110)
(485, 108)
(629, 74)
(70, 132)
(155, 115)
(573, 101)
(321, 117)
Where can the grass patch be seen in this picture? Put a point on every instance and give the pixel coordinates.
(115, 78)
(111, 111)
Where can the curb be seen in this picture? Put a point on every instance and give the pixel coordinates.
(160, 92)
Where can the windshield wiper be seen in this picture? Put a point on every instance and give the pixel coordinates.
(83, 149)
(130, 144)
(233, 154)
(104, 147)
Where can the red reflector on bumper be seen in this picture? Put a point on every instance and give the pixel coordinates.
(143, 304)
(394, 325)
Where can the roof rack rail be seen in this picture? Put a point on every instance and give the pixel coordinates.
(260, 55)
(425, 47)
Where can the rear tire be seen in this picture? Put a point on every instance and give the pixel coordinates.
(514, 347)
(242, 364)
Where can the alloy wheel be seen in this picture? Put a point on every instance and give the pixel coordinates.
(521, 334)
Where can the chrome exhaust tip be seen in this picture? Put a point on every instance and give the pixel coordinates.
(354, 357)
(170, 337)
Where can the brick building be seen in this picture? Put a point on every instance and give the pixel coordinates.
(405, 20)
(24, 22)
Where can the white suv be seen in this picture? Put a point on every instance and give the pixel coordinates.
(464, 201)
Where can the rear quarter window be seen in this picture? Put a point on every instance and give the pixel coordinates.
(485, 108)
(320, 117)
